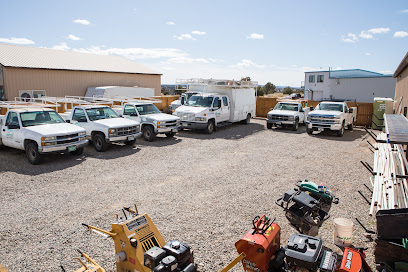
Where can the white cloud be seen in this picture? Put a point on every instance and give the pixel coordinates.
(367, 54)
(350, 38)
(196, 32)
(73, 37)
(184, 37)
(17, 40)
(185, 60)
(82, 22)
(246, 63)
(170, 23)
(366, 35)
(61, 46)
(386, 72)
(400, 34)
(256, 36)
(404, 11)
(380, 30)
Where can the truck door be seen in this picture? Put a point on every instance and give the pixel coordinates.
(79, 119)
(11, 131)
(217, 107)
(301, 114)
(129, 111)
(225, 109)
(347, 115)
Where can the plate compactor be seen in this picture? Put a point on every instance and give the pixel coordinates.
(307, 206)
(139, 246)
(263, 253)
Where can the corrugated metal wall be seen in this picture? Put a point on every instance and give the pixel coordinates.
(401, 91)
(62, 82)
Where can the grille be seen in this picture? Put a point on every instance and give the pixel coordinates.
(66, 136)
(168, 124)
(186, 116)
(123, 131)
(279, 117)
(323, 119)
(68, 141)
(65, 139)
(148, 242)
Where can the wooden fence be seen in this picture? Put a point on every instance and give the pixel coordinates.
(364, 110)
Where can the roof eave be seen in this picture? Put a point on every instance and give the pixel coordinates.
(402, 66)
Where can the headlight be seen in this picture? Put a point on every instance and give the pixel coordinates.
(48, 138)
(82, 133)
(291, 117)
(200, 119)
(112, 131)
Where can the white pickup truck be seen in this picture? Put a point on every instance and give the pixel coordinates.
(40, 131)
(218, 103)
(334, 116)
(287, 114)
(151, 119)
(103, 125)
(179, 102)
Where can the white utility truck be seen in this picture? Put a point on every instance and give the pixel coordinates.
(182, 99)
(218, 103)
(40, 131)
(287, 114)
(334, 116)
(151, 119)
(103, 125)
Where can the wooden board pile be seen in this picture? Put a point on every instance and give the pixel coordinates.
(390, 186)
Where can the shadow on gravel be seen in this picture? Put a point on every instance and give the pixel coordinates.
(14, 160)
(301, 129)
(231, 132)
(160, 141)
(115, 150)
(347, 136)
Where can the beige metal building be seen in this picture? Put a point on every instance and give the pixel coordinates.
(62, 73)
(401, 90)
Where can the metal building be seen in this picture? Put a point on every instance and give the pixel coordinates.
(62, 73)
(355, 84)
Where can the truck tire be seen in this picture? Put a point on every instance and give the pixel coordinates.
(77, 152)
(295, 127)
(170, 134)
(247, 120)
(99, 142)
(209, 129)
(268, 125)
(148, 133)
(32, 153)
(132, 142)
(309, 131)
(340, 133)
(350, 126)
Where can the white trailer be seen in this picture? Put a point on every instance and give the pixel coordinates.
(217, 103)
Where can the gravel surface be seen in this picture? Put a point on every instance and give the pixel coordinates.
(201, 189)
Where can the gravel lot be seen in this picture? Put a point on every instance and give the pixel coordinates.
(200, 189)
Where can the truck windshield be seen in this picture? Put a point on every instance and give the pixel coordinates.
(286, 106)
(330, 107)
(147, 109)
(101, 113)
(35, 118)
(199, 101)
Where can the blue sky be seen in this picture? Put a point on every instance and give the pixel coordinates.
(274, 41)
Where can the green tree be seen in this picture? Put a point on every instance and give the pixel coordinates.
(260, 91)
(287, 90)
(165, 91)
(269, 88)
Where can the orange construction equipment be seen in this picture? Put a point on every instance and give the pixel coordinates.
(353, 261)
(260, 244)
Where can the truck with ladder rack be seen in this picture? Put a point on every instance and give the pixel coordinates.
(217, 103)
(39, 129)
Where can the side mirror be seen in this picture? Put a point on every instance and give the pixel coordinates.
(311, 108)
(182, 100)
(13, 126)
(271, 108)
(350, 110)
(219, 104)
(68, 121)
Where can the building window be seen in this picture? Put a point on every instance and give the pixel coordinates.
(311, 79)
(320, 78)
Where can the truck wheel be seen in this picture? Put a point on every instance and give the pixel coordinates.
(247, 120)
(170, 134)
(33, 156)
(77, 152)
(295, 127)
(341, 131)
(132, 142)
(309, 131)
(268, 125)
(209, 129)
(350, 126)
(148, 133)
(99, 142)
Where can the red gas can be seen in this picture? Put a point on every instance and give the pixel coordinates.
(259, 244)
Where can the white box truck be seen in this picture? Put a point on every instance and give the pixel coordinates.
(217, 103)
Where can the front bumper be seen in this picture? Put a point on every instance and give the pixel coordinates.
(324, 126)
(168, 129)
(193, 125)
(122, 138)
(61, 147)
(280, 122)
